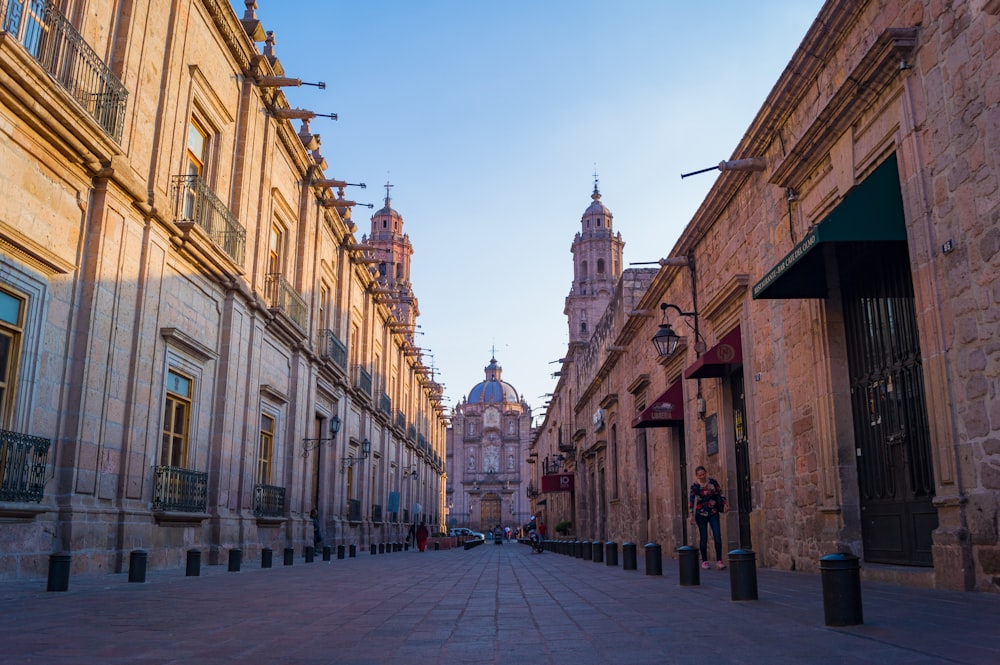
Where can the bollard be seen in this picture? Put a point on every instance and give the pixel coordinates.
(308, 553)
(353, 552)
(289, 556)
(654, 559)
(687, 559)
(326, 553)
(841, 579)
(193, 563)
(137, 566)
(381, 548)
(742, 575)
(235, 558)
(266, 557)
(628, 557)
(374, 549)
(588, 550)
(611, 553)
(58, 572)
(598, 552)
(340, 551)
(577, 548)
(437, 545)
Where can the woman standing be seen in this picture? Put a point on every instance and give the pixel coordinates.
(422, 534)
(705, 504)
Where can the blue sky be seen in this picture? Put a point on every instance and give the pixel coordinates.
(490, 118)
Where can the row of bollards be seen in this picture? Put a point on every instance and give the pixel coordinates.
(59, 563)
(839, 573)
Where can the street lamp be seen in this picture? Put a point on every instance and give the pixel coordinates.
(665, 340)
(311, 444)
(350, 460)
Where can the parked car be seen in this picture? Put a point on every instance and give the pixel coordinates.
(468, 533)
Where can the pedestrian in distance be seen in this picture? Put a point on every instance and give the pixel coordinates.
(704, 505)
(411, 535)
(422, 534)
(317, 533)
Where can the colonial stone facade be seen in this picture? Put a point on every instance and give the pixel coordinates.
(488, 473)
(835, 297)
(196, 349)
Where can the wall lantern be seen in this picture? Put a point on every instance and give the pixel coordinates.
(366, 448)
(311, 444)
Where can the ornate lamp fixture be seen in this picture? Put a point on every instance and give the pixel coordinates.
(350, 460)
(311, 444)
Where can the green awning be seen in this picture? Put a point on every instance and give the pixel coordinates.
(871, 212)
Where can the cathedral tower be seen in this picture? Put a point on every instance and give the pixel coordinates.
(597, 265)
(393, 251)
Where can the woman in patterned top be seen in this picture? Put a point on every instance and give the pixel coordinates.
(704, 505)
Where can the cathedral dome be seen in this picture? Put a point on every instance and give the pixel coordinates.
(493, 390)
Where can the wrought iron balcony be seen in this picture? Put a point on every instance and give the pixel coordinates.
(363, 379)
(22, 466)
(195, 202)
(57, 46)
(386, 405)
(268, 501)
(280, 295)
(411, 433)
(179, 490)
(332, 348)
(400, 420)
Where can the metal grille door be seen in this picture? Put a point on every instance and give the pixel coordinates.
(895, 476)
(744, 503)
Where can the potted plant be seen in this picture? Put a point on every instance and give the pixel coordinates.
(563, 527)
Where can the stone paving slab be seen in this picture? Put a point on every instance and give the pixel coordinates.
(485, 605)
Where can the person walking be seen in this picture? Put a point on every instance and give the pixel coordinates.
(704, 504)
(317, 534)
(411, 535)
(422, 534)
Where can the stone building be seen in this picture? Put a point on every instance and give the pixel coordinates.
(833, 302)
(487, 456)
(196, 349)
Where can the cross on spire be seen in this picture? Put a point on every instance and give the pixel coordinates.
(387, 188)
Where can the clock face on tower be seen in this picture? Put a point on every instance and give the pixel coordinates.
(491, 460)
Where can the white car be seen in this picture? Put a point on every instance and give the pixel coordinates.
(469, 533)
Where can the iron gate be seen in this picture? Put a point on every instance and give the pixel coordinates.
(744, 502)
(895, 475)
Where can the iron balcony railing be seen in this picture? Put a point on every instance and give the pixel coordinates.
(400, 420)
(411, 433)
(376, 513)
(280, 295)
(22, 466)
(422, 442)
(386, 405)
(331, 347)
(194, 201)
(180, 490)
(57, 46)
(354, 510)
(268, 501)
(363, 380)
(406, 515)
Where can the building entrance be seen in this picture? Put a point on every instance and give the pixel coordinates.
(490, 511)
(895, 474)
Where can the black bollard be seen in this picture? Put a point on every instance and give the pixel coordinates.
(437, 545)
(611, 553)
(353, 552)
(308, 553)
(193, 563)
(289, 556)
(381, 548)
(235, 558)
(374, 549)
(588, 550)
(340, 551)
(137, 566)
(841, 577)
(654, 559)
(578, 548)
(687, 559)
(598, 552)
(326, 553)
(266, 557)
(742, 575)
(628, 557)
(58, 572)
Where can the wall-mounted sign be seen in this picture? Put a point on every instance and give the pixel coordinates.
(557, 482)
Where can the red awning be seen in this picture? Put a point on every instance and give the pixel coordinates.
(667, 410)
(720, 360)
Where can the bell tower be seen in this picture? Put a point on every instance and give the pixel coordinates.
(597, 265)
(393, 251)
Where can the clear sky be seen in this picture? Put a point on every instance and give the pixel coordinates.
(490, 118)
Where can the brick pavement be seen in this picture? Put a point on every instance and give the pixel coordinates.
(491, 604)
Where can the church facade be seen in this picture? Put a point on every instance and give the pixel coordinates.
(487, 456)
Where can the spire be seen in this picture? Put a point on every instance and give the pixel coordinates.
(387, 188)
(596, 196)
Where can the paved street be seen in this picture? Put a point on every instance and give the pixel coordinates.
(491, 604)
